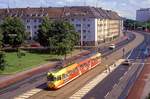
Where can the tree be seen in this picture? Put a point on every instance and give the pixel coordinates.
(13, 31)
(58, 35)
(43, 32)
(62, 37)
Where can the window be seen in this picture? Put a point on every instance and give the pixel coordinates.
(84, 31)
(51, 78)
(79, 31)
(84, 37)
(28, 27)
(35, 26)
(84, 19)
(58, 77)
(40, 20)
(88, 25)
(78, 25)
(35, 20)
(72, 19)
(28, 21)
(89, 31)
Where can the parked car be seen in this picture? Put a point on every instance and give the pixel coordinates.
(112, 46)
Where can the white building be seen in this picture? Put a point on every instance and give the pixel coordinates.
(143, 15)
(95, 25)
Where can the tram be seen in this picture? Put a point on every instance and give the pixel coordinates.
(62, 76)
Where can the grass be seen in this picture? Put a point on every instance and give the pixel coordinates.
(30, 60)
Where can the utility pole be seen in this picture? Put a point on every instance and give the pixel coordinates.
(81, 34)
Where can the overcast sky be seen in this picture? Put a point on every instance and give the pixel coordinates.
(125, 8)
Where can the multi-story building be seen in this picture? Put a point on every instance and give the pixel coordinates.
(95, 25)
(143, 15)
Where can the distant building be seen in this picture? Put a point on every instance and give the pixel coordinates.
(95, 25)
(143, 15)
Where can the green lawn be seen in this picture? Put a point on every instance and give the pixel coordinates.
(30, 60)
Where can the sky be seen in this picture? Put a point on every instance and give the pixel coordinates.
(125, 8)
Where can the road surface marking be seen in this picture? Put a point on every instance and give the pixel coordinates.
(85, 89)
(114, 85)
(125, 73)
(121, 78)
(130, 53)
(28, 94)
(107, 94)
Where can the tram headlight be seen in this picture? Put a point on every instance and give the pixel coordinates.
(51, 85)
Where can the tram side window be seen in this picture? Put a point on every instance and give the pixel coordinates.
(63, 76)
(58, 77)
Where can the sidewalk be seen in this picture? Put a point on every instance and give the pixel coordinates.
(141, 88)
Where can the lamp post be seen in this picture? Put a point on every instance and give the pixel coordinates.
(81, 43)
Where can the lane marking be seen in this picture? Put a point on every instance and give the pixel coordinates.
(28, 94)
(107, 94)
(130, 53)
(114, 85)
(121, 78)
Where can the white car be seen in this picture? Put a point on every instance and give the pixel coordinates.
(112, 46)
(127, 62)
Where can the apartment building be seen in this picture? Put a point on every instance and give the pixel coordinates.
(143, 15)
(95, 25)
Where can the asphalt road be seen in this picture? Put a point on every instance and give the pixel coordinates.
(72, 87)
(39, 80)
(101, 90)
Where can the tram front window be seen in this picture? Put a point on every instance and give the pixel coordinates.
(51, 78)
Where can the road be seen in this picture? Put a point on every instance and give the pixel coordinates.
(138, 88)
(74, 86)
(104, 87)
(39, 80)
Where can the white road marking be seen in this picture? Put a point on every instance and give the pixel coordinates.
(125, 73)
(121, 78)
(28, 94)
(107, 94)
(85, 89)
(130, 53)
(114, 85)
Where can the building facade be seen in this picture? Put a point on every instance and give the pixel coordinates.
(143, 15)
(95, 25)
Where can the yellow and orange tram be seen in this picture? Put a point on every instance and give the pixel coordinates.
(60, 77)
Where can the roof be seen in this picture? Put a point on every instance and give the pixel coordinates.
(61, 12)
